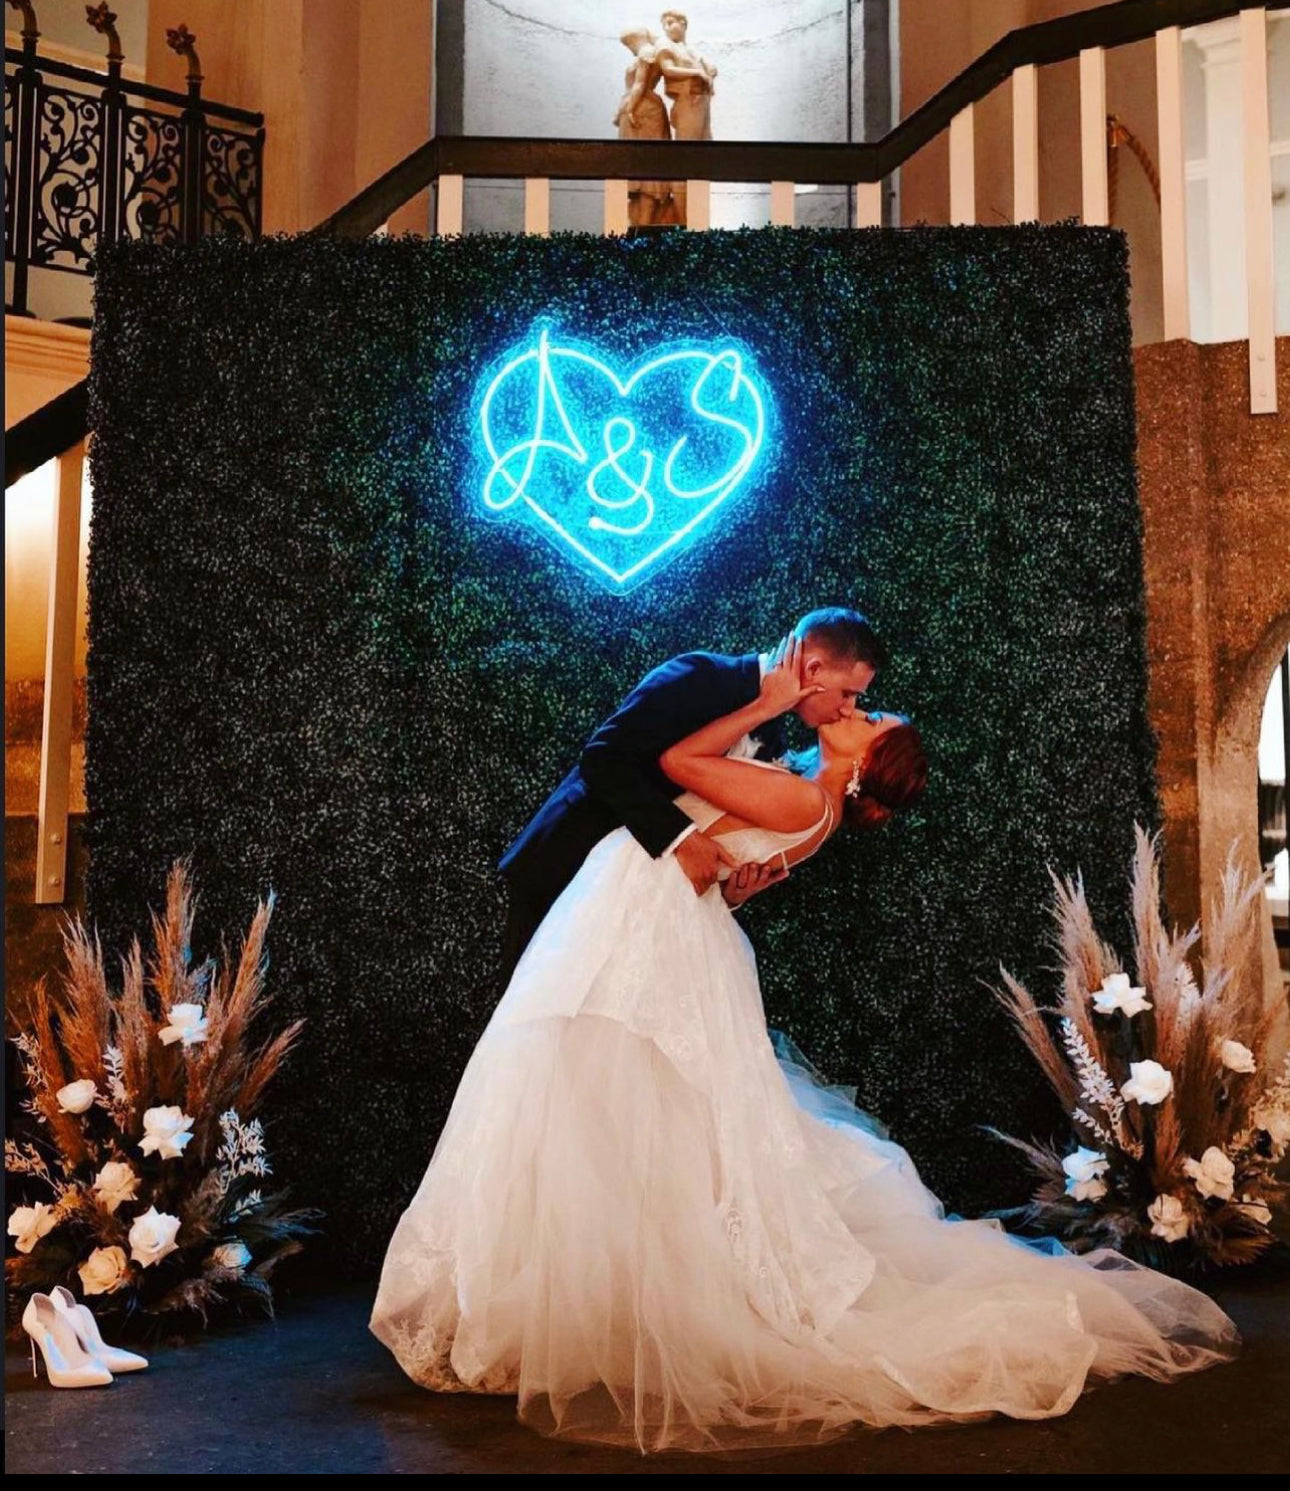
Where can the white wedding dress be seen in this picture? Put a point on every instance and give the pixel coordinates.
(650, 1219)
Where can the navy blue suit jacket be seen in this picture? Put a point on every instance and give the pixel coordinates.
(617, 779)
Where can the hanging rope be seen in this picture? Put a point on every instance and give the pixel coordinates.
(1117, 134)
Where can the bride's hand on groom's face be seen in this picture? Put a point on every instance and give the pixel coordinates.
(783, 687)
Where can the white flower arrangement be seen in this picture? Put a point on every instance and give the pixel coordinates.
(1175, 1103)
(149, 1154)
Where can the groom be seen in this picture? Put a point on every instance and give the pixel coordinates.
(617, 779)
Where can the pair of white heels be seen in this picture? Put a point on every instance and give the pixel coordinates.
(76, 1355)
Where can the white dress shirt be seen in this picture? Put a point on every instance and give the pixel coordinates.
(744, 746)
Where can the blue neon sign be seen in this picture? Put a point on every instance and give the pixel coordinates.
(620, 472)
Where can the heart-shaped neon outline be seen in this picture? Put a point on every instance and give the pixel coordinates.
(715, 492)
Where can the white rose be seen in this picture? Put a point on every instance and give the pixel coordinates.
(115, 1183)
(1236, 1057)
(1256, 1208)
(1275, 1122)
(1169, 1218)
(153, 1236)
(165, 1132)
(1116, 994)
(1213, 1173)
(28, 1224)
(104, 1271)
(1148, 1082)
(231, 1255)
(187, 1024)
(1084, 1174)
(76, 1097)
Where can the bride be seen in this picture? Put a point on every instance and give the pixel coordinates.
(652, 1221)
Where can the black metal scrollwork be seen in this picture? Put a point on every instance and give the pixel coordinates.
(91, 158)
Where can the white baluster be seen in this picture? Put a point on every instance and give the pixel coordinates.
(1092, 130)
(1025, 145)
(782, 206)
(1173, 183)
(537, 205)
(1258, 210)
(698, 205)
(616, 218)
(451, 210)
(962, 168)
(868, 204)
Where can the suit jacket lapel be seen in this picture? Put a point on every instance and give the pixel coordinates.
(772, 737)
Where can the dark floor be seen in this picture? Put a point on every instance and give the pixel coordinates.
(315, 1392)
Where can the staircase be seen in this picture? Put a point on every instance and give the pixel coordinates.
(44, 723)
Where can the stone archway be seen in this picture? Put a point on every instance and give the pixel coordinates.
(1214, 488)
(1229, 811)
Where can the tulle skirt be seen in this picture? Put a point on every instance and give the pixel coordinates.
(652, 1221)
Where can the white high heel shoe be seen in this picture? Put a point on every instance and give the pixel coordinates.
(81, 1319)
(67, 1362)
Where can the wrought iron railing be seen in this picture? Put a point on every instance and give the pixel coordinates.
(90, 158)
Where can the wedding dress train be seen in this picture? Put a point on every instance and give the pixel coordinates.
(650, 1219)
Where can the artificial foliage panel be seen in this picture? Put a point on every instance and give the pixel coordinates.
(317, 663)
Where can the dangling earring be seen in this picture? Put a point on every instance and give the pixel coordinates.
(852, 788)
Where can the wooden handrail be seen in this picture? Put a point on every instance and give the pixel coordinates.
(508, 157)
(59, 425)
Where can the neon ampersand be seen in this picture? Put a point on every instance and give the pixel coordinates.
(620, 472)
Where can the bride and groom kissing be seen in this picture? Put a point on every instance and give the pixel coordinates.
(647, 1216)
(678, 734)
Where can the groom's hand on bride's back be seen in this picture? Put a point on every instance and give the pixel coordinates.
(701, 857)
(750, 878)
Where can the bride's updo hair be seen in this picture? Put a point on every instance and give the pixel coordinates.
(894, 776)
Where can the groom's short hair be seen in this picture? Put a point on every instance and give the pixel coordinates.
(844, 634)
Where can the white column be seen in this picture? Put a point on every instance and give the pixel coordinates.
(1173, 183)
(1092, 129)
(962, 168)
(537, 205)
(1228, 315)
(1260, 292)
(452, 199)
(60, 650)
(1025, 145)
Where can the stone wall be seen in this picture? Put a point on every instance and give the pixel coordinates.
(1214, 484)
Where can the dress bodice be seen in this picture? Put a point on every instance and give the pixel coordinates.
(750, 844)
